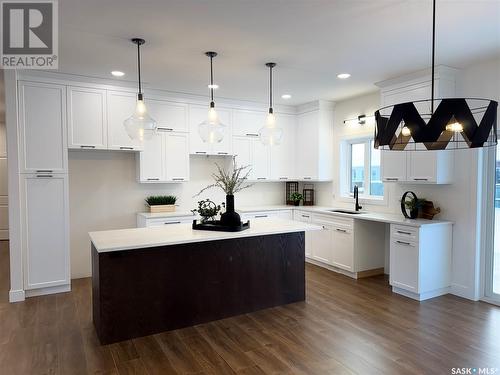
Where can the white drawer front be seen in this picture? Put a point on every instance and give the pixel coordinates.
(404, 233)
(169, 221)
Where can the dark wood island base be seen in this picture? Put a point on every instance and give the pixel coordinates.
(144, 291)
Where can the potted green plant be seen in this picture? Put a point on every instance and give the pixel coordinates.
(411, 202)
(207, 209)
(231, 181)
(161, 203)
(296, 198)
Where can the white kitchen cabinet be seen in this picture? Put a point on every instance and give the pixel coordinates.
(322, 242)
(198, 114)
(305, 217)
(314, 143)
(87, 119)
(431, 167)
(283, 155)
(168, 115)
(343, 240)
(177, 157)
(165, 158)
(42, 128)
(160, 219)
(420, 260)
(285, 214)
(121, 106)
(250, 151)
(45, 230)
(247, 123)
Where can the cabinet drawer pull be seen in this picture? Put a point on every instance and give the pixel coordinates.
(341, 230)
(223, 153)
(306, 216)
(44, 171)
(177, 179)
(307, 178)
(166, 129)
(172, 222)
(420, 179)
(153, 179)
(252, 135)
(126, 148)
(44, 176)
(403, 232)
(258, 216)
(283, 178)
(261, 178)
(391, 179)
(86, 146)
(403, 243)
(200, 152)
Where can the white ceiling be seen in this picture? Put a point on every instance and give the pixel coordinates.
(310, 40)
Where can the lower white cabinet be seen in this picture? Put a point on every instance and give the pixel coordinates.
(158, 220)
(165, 158)
(45, 230)
(305, 217)
(420, 260)
(322, 242)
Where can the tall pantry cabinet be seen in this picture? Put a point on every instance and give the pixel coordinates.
(43, 181)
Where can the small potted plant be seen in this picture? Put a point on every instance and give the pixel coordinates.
(413, 203)
(208, 210)
(161, 203)
(296, 198)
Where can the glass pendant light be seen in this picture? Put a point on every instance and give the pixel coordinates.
(270, 134)
(212, 129)
(140, 125)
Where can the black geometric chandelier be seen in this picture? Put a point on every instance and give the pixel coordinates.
(438, 124)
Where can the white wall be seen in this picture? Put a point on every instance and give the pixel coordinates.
(104, 194)
(4, 210)
(458, 202)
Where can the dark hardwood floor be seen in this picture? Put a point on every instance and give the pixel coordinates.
(344, 327)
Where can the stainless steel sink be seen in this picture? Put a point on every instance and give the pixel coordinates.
(346, 212)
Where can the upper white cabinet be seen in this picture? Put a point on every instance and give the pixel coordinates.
(283, 155)
(198, 114)
(165, 158)
(250, 151)
(121, 105)
(168, 115)
(248, 122)
(87, 119)
(314, 142)
(432, 167)
(45, 229)
(42, 127)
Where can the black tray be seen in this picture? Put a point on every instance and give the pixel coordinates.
(217, 226)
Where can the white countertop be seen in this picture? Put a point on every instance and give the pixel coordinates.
(371, 216)
(159, 215)
(136, 238)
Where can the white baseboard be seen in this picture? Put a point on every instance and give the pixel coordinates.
(352, 275)
(421, 296)
(16, 295)
(462, 291)
(49, 290)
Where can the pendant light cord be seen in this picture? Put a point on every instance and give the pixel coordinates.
(270, 89)
(139, 67)
(211, 80)
(433, 51)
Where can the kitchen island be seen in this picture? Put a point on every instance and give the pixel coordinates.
(149, 280)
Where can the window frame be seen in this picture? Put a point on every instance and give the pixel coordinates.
(346, 170)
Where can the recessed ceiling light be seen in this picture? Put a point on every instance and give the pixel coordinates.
(343, 75)
(286, 96)
(213, 86)
(117, 73)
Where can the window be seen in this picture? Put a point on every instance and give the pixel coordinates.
(363, 166)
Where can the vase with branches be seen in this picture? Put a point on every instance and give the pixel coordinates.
(231, 181)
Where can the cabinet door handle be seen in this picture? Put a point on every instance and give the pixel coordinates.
(283, 178)
(341, 230)
(403, 232)
(305, 216)
(172, 222)
(420, 179)
(403, 243)
(166, 129)
(126, 148)
(44, 176)
(257, 216)
(223, 153)
(87, 146)
(44, 171)
(391, 179)
(261, 178)
(153, 179)
(307, 178)
(200, 152)
(252, 135)
(177, 179)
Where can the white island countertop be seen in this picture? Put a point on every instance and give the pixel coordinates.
(136, 238)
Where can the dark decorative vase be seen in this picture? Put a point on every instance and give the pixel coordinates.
(296, 203)
(230, 217)
(414, 212)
